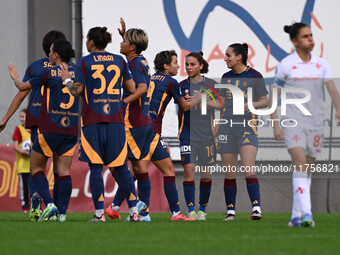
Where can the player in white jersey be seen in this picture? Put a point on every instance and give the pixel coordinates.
(303, 70)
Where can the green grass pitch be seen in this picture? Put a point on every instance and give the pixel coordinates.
(161, 236)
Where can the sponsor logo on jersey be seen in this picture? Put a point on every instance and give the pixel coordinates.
(185, 148)
(222, 138)
(106, 108)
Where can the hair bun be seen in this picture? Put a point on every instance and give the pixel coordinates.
(201, 53)
(287, 29)
(103, 29)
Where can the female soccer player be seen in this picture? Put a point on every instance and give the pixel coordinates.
(137, 120)
(33, 114)
(58, 128)
(196, 135)
(239, 135)
(303, 70)
(99, 77)
(162, 88)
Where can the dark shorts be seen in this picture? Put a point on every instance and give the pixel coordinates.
(103, 143)
(138, 140)
(232, 139)
(158, 149)
(61, 145)
(198, 152)
(34, 134)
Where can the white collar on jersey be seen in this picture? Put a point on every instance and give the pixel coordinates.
(313, 59)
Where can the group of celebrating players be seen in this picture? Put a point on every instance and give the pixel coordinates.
(116, 127)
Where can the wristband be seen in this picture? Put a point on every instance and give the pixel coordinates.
(67, 80)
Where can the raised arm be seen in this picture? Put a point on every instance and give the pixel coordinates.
(123, 29)
(15, 77)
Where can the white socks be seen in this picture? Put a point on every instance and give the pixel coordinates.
(99, 213)
(301, 194)
(133, 210)
(174, 214)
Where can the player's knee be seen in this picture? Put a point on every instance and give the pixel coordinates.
(206, 179)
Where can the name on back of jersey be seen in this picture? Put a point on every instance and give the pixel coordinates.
(100, 58)
(56, 73)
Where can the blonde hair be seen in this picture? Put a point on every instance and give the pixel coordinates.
(137, 37)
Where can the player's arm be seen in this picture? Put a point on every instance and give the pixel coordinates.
(278, 132)
(75, 88)
(15, 77)
(16, 102)
(129, 85)
(261, 102)
(142, 88)
(333, 92)
(197, 99)
(217, 105)
(183, 104)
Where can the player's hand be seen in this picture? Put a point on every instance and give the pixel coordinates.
(25, 152)
(64, 72)
(246, 109)
(2, 125)
(215, 130)
(122, 30)
(188, 99)
(13, 72)
(278, 133)
(337, 117)
(195, 100)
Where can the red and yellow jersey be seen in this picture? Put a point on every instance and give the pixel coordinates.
(137, 112)
(103, 74)
(162, 88)
(35, 97)
(60, 109)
